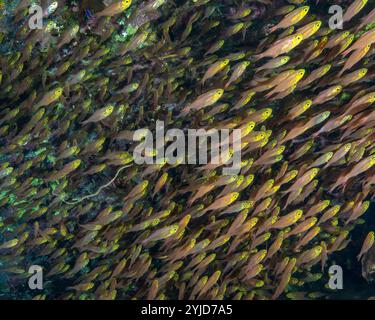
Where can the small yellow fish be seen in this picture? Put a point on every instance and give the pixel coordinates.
(161, 234)
(99, 115)
(282, 46)
(204, 100)
(115, 8)
(49, 97)
(292, 18)
(214, 69)
(367, 244)
(288, 220)
(354, 9)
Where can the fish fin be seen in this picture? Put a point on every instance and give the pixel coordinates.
(269, 94)
(346, 52)
(258, 56)
(273, 29)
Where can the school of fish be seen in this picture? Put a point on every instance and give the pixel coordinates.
(73, 200)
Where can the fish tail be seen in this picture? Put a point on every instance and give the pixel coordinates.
(184, 112)
(269, 94)
(346, 52)
(273, 29)
(359, 257)
(204, 211)
(336, 185)
(258, 56)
